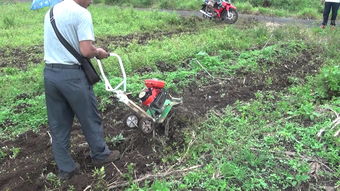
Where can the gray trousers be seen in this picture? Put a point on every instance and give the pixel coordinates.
(68, 94)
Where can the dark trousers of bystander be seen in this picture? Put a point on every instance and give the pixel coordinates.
(328, 7)
(68, 94)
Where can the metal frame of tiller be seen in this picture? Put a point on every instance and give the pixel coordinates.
(145, 120)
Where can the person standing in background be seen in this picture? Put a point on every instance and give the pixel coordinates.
(330, 5)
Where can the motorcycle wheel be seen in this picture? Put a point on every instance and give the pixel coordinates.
(207, 10)
(204, 8)
(232, 18)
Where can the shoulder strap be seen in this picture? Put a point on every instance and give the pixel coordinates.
(62, 39)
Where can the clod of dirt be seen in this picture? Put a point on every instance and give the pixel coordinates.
(164, 67)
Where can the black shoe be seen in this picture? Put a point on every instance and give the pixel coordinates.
(67, 175)
(112, 157)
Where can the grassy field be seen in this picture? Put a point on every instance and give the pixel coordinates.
(261, 109)
(309, 9)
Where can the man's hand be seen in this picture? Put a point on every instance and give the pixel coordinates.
(101, 53)
(88, 50)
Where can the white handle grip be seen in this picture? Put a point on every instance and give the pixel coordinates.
(108, 86)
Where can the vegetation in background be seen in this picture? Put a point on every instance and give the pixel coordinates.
(311, 9)
(107, 21)
(307, 9)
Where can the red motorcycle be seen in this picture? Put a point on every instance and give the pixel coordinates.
(222, 10)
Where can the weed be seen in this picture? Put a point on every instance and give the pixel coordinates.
(15, 152)
(160, 186)
(329, 81)
(71, 188)
(129, 176)
(53, 180)
(99, 183)
(3, 154)
(8, 22)
(115, 140)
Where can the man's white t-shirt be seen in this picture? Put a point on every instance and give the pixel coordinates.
(74, 22)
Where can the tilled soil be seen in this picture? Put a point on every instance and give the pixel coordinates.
(28, 170)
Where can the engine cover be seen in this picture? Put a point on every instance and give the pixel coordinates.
(154, 83)
(149, 95)
(159, 101)
(152, 93)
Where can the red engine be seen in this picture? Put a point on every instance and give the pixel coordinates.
(154, 83)
(154, 91)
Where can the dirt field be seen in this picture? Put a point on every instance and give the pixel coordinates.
(29, 168)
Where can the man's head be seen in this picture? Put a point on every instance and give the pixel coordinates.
(84, 3)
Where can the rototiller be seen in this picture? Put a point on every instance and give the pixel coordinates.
(157, 101)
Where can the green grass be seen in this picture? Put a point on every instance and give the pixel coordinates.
(107, 20)
(174, 4)
(267, 143)
(299, 9)
(263, 144)
(296, 8)
(17, 21)
(173, 50)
